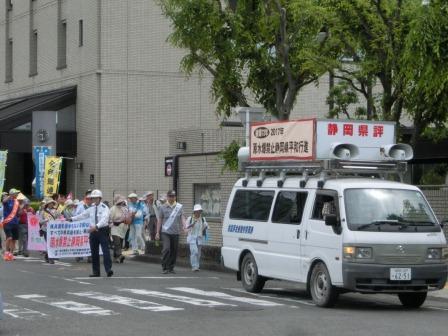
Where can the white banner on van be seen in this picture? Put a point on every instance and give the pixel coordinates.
(284, 140)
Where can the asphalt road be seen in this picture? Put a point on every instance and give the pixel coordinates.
(43, 299)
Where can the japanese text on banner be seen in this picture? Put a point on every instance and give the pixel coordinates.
(52, 175)
(68, 239)
(39, 154)
(289, 140)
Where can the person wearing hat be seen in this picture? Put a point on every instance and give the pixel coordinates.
(151, 214)
(98, 214)
(10, 222)
(80, 208)
(137, 210)
(170, 224)
(118, 218)
(48, 213)
(24, 209)
(196, 226)
(69, 209)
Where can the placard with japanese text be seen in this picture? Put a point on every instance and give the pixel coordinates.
(68, 239)
(285, 140)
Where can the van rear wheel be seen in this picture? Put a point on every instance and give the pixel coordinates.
(324, 294)
(252, 281)
(412, 300)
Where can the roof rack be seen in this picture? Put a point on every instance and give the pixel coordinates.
(323, 168)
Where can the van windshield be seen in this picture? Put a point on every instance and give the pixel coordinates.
(389, 210)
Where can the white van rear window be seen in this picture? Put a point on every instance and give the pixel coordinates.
(252, 205)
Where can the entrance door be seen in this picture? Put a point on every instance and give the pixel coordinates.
(285, 230)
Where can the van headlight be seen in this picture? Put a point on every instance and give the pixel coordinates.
(354, 253)
(435, 253)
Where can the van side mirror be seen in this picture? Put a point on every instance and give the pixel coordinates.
(331, 220)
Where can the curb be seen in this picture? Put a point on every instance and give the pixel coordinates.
(184, 262)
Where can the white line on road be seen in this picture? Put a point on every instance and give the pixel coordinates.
(437, 308)
(126, 301)
(179, 298)
(220, 295)
(239, 290)
(22, 313)
(71, 280)
(146, 277)
(78, 307)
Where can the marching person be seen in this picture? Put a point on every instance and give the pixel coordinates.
(10, 222)
(48, 213)
(118, 218)
(136, 208)
(69, 209)
(196, 226)
(152, 215)
(170, 224)
(80, 208)
(98, 213)
(23, 231)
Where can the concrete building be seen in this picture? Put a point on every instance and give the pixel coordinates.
(122, 103)
(107, 69)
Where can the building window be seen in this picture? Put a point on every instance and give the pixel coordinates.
(33, 53)
(209, 196)
(81, 33)
(8, 58)
(62, 44)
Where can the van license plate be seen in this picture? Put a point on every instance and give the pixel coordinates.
(400, 274)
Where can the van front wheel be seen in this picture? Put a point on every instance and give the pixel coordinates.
(412, 300)
(324, 294)
(252, 282)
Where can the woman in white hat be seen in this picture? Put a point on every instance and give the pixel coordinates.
(118, 217)
(48, 213)
(69, 209)
(196, 226)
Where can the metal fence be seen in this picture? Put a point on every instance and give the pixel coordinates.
(437, 196)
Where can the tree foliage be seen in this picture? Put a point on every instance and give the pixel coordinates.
(261, 49)
(426, 70)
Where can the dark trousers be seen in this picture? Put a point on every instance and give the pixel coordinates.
(118, 243)
(97, 238)
(169, 251)
(152, 227)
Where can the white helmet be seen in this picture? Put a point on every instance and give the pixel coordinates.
(96, 193)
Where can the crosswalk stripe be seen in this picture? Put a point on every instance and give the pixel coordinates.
(239, 290)
(21, 313)
(126, 301)
(179, 298)
(220, 295)
(78, 307)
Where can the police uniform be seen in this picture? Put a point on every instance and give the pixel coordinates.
(99, 218)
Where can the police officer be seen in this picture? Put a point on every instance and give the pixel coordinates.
(98, 213)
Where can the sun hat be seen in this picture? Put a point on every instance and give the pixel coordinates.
(14, 191)
(171, 193)
(69, 202)
(146, 194)
(197, 207)
(132, 195)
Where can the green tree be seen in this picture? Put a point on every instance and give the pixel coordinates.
(260, 50)
(370, 36)
(426, 70)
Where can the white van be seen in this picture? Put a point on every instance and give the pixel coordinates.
(335, 232)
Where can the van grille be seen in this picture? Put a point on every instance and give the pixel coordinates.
(400, 260)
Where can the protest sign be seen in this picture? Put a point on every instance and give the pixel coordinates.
(35, 241)
(68, 239)
(52, 175)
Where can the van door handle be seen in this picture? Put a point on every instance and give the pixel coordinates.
(298, 234)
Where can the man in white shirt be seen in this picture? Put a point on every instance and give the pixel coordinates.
(98, 213)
